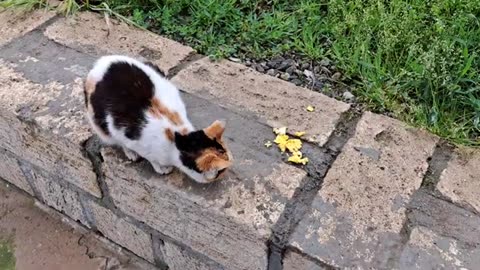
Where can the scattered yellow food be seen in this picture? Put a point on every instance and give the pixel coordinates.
(280, 131)
(299, 133)
(310, 108)
(296, 157)
(268, 144)
(284, 143)
(294, 145)
(281, 141)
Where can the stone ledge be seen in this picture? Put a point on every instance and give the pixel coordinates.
(460, 181)
(32, 129)
(357, 217)
(15, 23)
(88, 33)
(277, 102)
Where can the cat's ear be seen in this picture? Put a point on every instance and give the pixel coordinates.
(215, 130)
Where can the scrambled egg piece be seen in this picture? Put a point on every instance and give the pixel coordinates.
(281, 141)
(299, 133)
(284, 143)
(310, 108)
(296, 157)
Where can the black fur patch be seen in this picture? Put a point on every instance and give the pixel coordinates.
(192, 145)
(125, 92)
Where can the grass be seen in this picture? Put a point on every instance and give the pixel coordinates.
(7, 256)
(415, 59)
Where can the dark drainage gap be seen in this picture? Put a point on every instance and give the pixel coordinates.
(321, 159)
(437, 163)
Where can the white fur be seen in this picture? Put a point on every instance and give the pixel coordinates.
(153, 144)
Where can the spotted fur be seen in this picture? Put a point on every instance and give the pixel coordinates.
(131, 104)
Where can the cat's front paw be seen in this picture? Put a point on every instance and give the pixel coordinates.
(131, 155)
(162, 169)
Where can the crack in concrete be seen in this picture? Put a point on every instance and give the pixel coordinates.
(437, 164)
(184, 63)
(91, 148)
(321, 159)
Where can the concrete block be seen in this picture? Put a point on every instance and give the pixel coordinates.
(11, 172)
(460, 181)
(15, 22)
(358, 215)
(121, 231)
(36, 126)
(88, 32)
(178, 258)
(55, 195)
(276, 102)
(429, 250)
(295, 261)
(229, 221)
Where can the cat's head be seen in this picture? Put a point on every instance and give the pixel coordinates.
(203, 153)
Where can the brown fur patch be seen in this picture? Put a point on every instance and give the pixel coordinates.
(90, 84)
(157, 109)
(169, 134)
(215, 130)
(210, 159)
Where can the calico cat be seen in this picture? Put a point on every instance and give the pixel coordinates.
(131, 104)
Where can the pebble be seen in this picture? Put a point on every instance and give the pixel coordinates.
(271, 72)
(290, 70)
(305, 66)
(248, 63)
(275, 62)
(297, 82)
(308, 74)
(234, 59)
(259, 68)
(285, 76)
(286, 64)
(348, 96)
(336, 76)
(326, 71)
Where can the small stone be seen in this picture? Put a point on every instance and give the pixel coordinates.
(309, 74)
(316, 69)
(271, 72)
(336, 76)
(259, 68)
(326, 71)
(286, 64)
(348, 96)
(305, 66)
(290, 70)
(298, 72)
(325, 63)
(293, 76)
(285, 76)
(297, 82)
(333, 68)
(234, 59)
(264, 65)
(275, 62)
(248, 63)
